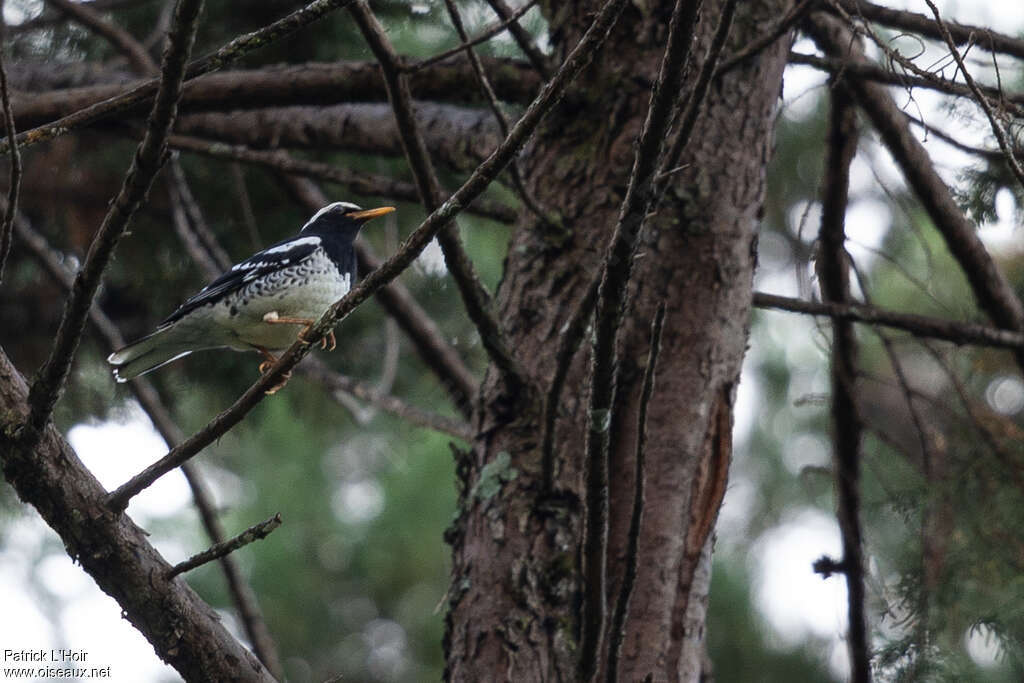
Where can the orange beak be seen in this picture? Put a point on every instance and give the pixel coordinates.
(371, 213)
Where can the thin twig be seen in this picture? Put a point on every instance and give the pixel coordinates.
(232, 51)
(921, 326)
(616, 270)
(997, 126)
(550, 95)
(241, 592)
(14, 183)
(522, 38)
(254, 533)
(617, 632)
(834, 278)
(475, 297)
(148, 159)
(484, 36)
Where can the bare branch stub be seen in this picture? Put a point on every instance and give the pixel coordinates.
(611, 302)
(413, 245)
(254, 533)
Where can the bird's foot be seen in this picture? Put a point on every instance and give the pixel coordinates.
(265, 368)
(280, 385)
(274, 318)
(328, 342)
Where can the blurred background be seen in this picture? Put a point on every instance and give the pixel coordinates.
(353, 584)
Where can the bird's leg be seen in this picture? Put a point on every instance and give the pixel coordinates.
(265, 366)
(328, 340)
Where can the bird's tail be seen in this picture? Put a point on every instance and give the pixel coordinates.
(148, 353)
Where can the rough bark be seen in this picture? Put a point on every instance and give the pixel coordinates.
(183, 629)
(457, 137)
(293, 84)
(515, 592)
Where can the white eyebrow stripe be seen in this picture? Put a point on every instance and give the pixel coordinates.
(347, 206)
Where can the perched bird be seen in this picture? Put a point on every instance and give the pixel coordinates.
(258, 303)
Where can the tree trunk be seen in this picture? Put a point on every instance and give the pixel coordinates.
(516, 576)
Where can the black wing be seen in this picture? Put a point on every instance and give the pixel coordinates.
(281, 255)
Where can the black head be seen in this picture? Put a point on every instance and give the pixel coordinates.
(342, 220)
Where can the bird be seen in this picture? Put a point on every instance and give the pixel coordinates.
(257, 304)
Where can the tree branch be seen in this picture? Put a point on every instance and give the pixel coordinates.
(361, 183)
(475, 298)
(141, 94)
(308, 84)
(457, 137)
(616, 270)
(617, 632)
(148, 159)
(866, 70)
(834, 278)
(182, 628)
(254, 533)
(549, 96)
(695, 99)
(919, 23)
(994, 293)
(918, 325)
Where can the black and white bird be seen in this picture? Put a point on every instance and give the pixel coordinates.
(258, 303)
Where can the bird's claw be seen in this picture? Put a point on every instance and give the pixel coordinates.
(280, 385)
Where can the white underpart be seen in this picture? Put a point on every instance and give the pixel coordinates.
(305, 290)
(346, 206)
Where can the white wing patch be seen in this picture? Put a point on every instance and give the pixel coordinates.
(344, 206)
(253, 265)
